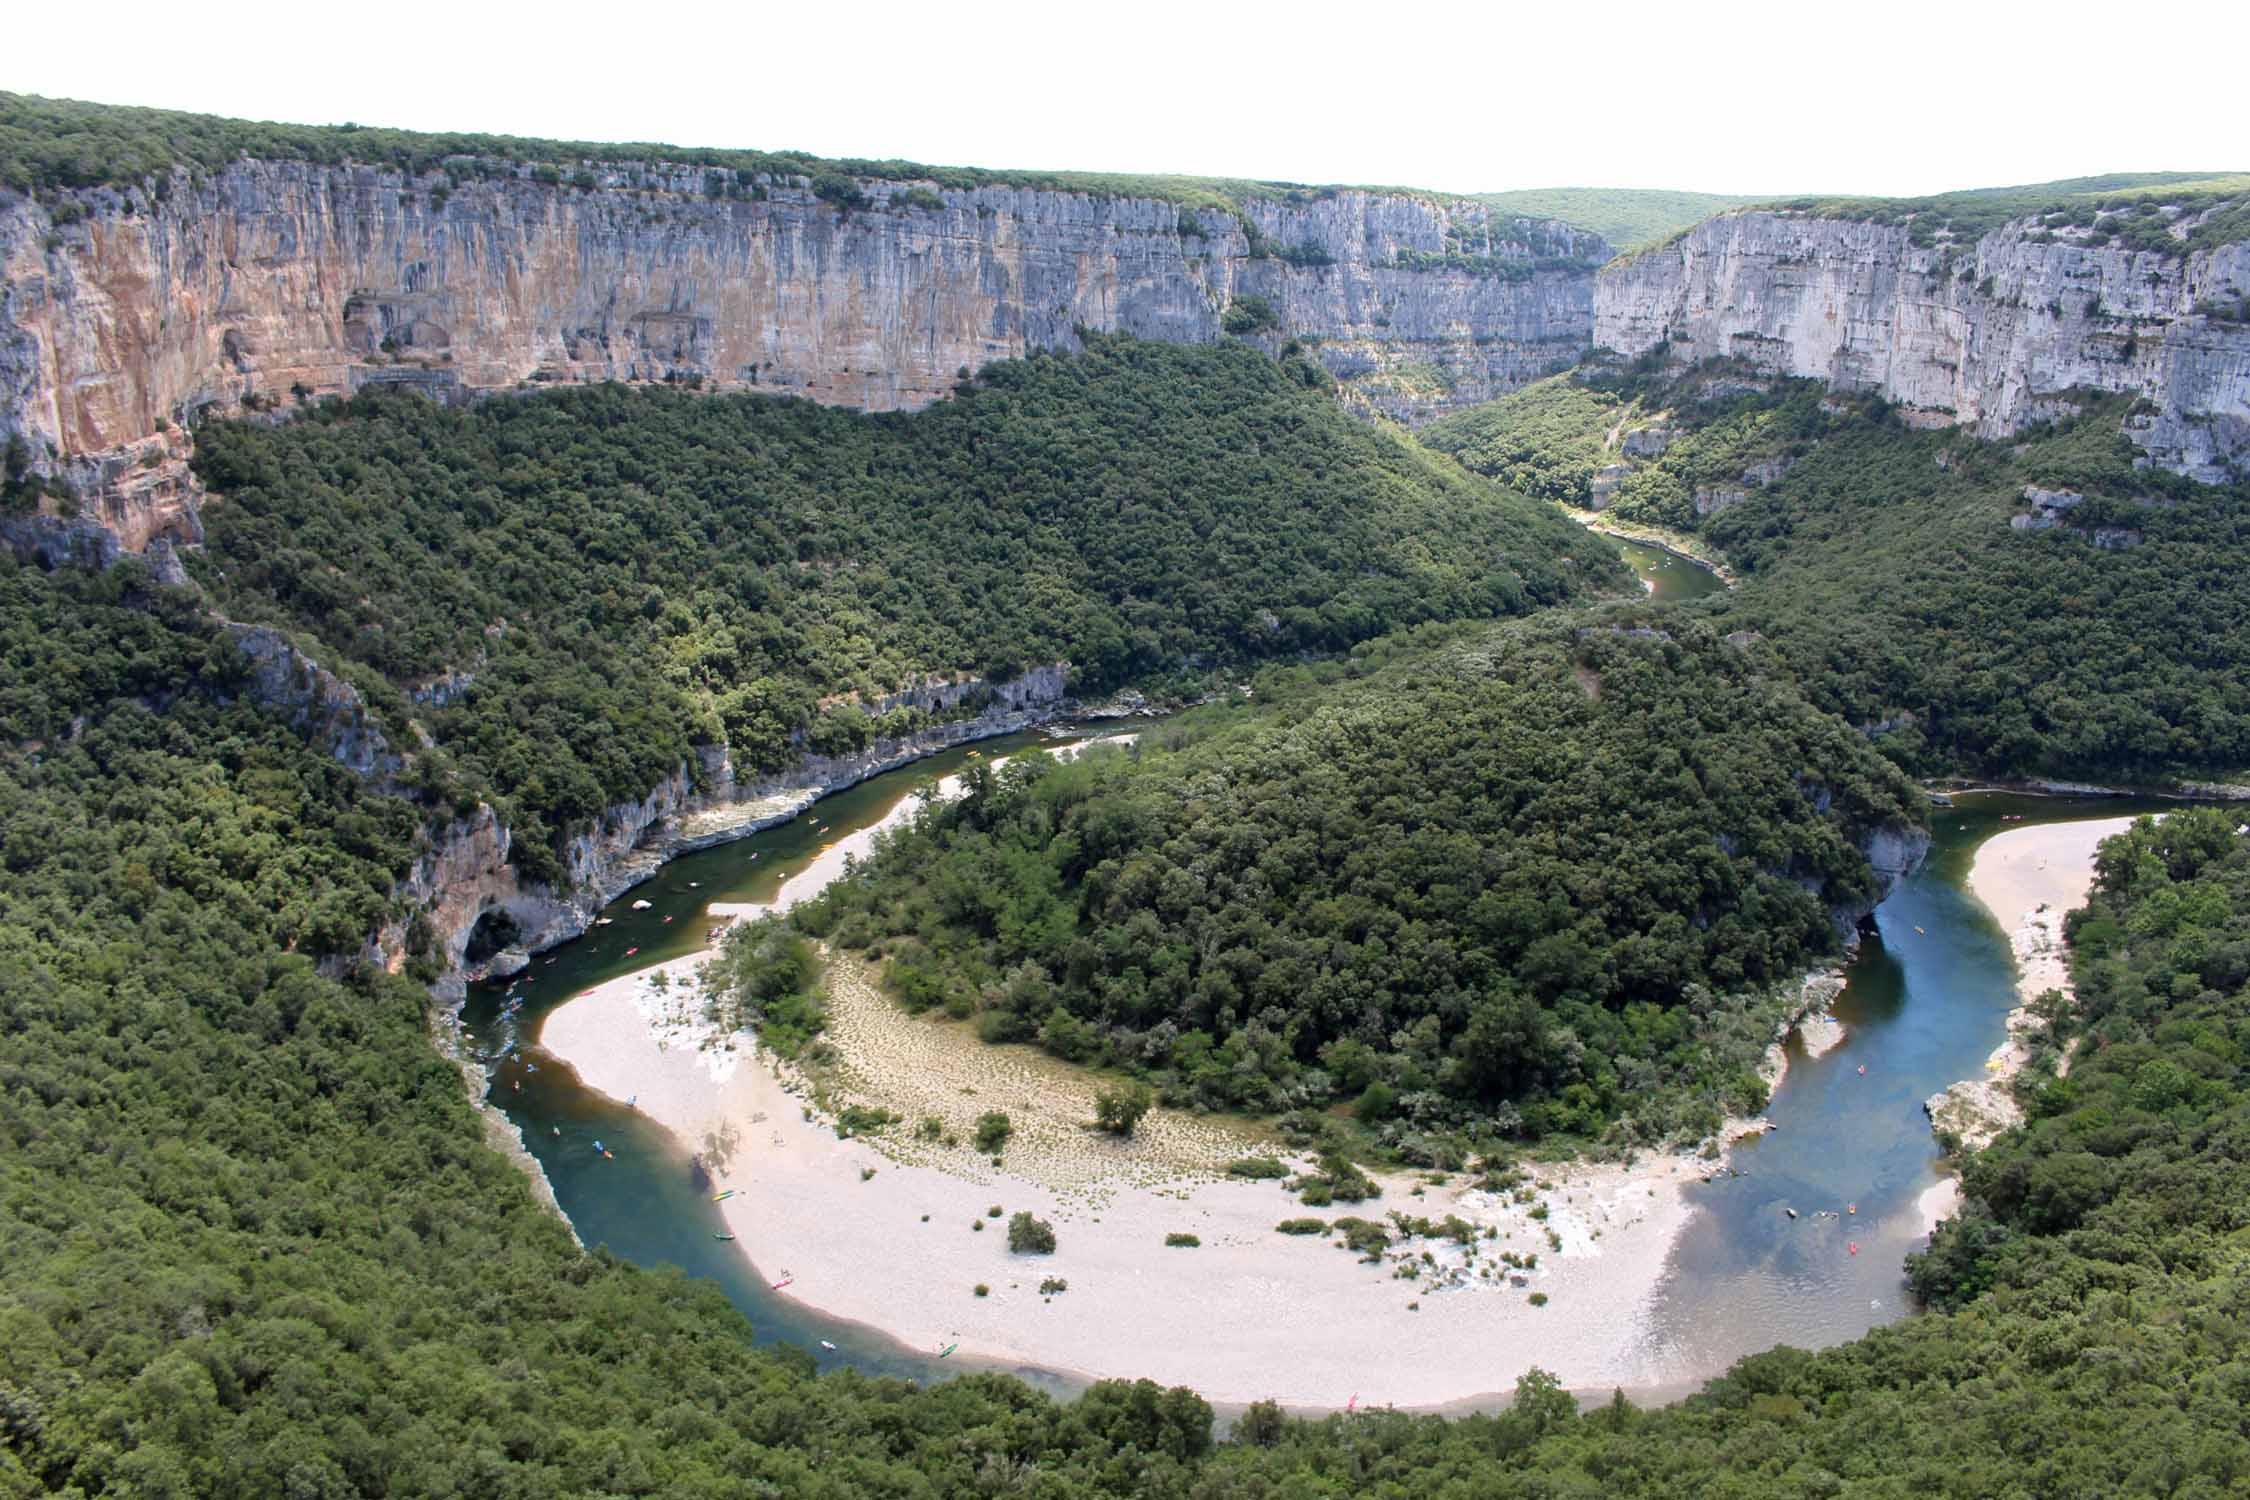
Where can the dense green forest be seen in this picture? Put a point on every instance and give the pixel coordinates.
(1882, 570)
(254, 1247)
(1524, 882)
(52, 144)
(1545, 440)
(628, 572)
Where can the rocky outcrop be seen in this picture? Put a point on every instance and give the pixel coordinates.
(326, 708)
(1893, 852)
(271, 283)
(462, 875)
(1994, 333)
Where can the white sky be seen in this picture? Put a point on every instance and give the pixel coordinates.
(1754, 98)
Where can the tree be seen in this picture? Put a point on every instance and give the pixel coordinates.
(993, 1130)
(1262, 1424)
(1120, 1109)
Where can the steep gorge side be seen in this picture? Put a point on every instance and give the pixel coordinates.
(1995, 333)
(125, 316)
(462, 873)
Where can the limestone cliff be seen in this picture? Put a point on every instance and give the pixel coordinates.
(274, 282)
(1994, 332)
(462, 874)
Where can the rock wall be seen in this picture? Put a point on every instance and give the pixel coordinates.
(1994, 333)
(326, 708)
(462, 872)
(274, 282)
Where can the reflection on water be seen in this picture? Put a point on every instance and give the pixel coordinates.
(1923, 1009)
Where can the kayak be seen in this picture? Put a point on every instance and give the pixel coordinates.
(722, 1197)
(722, 1236)
(948, 1349)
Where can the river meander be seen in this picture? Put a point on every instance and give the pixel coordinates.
(1926, 1001)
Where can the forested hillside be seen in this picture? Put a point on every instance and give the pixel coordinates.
(254, 1247)
(1531, 881)
(1916, 582)
(47, 144)
(626, 573)
(1626, 217)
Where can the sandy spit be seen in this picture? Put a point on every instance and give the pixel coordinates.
(879, 1229)
(2029, 879)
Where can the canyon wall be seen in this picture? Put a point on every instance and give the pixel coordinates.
(461, 870)
(1993, 332)
(462, 873)
(127, 315)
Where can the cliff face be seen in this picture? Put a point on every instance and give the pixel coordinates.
(461, 873)
(276, 281)
(1994, 333)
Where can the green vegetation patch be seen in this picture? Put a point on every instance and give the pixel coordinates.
(2133, 210)
(1527, 879)
(625, 575)
(1626, 217)
(52, 144)
(1905, 580)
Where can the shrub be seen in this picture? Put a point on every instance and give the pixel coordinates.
(1249, 314)
(1366, 1236)
(858, 1119)
(1120, 1109)
(1307, 1225)
(1053, 1285)
(983, 1290)
(1184, 1241)
(1538, 1299)
(1258, 1167)
(1338, 1181)
(1030, 1236)
(836, 188)
(993, 1130)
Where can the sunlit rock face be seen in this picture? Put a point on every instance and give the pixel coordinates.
(275, 283)
(1996, 333)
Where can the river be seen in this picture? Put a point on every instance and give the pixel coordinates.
(1670, 577)
(662, 1213)
(1925, 1002)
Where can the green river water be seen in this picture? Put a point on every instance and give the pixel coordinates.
(1924, 1008)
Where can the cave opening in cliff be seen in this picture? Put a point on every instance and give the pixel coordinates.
(495, 931)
